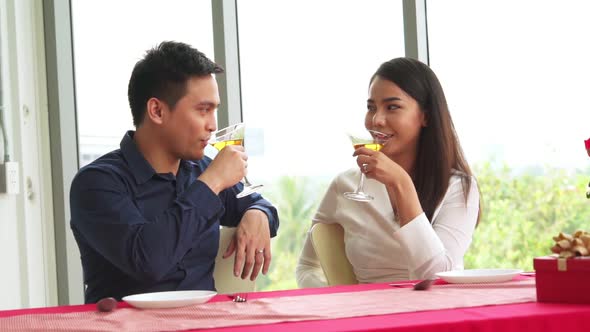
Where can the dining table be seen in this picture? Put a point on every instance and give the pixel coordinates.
(395, 306)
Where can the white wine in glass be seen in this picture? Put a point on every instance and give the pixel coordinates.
(220, 145)
(233, 135)
(367, 141)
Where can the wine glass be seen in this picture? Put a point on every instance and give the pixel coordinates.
(367, 140)
(233, 135)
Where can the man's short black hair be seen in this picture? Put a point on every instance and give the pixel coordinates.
(163, 73)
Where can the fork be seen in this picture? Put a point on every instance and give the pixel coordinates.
(240, 297)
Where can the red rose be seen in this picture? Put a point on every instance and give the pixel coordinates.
(587, 142)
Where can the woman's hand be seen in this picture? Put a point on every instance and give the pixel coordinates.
(378, 166)
(400, 187)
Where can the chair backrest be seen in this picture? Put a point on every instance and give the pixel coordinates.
(328, 243)
(225, 282)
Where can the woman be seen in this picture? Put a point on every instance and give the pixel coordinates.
(426, 202)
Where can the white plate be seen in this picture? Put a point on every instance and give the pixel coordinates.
(478, 275)
(173, 299)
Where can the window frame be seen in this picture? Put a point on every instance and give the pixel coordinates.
(62, 109)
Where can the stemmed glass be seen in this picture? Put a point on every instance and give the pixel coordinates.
(368, 140)
(233, 135)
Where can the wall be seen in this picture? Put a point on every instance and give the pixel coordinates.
(27, 243)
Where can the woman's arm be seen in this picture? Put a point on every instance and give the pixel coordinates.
(308, 271)
(441, 246)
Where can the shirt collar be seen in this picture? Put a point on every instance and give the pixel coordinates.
(142, 170)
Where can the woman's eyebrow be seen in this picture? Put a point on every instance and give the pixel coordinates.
(385, 100)
(388, 99)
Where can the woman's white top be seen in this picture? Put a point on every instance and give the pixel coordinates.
(382, 251)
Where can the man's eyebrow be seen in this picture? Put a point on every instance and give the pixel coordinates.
(208, 103)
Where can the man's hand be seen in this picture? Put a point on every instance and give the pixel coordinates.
(227, 169)
(251, 244)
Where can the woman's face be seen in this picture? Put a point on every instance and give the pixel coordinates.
(393, 112)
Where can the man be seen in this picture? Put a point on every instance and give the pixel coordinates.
(146, 216)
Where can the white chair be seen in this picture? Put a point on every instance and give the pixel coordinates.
(328, 243)
(223, 273)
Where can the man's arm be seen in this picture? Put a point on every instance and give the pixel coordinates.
(104, 214)
(257, 221)
(235, 208)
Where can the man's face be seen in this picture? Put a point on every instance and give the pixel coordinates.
(188, 127)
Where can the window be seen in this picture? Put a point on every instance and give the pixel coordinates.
(515, 78)
(305, 73)
(109, 38)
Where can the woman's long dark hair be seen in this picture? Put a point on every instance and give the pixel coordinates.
(439, 151)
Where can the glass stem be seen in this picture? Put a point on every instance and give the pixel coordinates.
(359, 189)
(246, 182)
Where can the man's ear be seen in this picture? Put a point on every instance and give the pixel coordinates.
(155, 110)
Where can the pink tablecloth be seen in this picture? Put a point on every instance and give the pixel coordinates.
(280, 309)
(509, 317)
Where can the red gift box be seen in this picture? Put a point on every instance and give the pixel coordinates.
(562, 280)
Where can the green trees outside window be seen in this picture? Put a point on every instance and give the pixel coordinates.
(522, 211)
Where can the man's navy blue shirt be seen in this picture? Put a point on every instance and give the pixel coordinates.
(139, 231)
